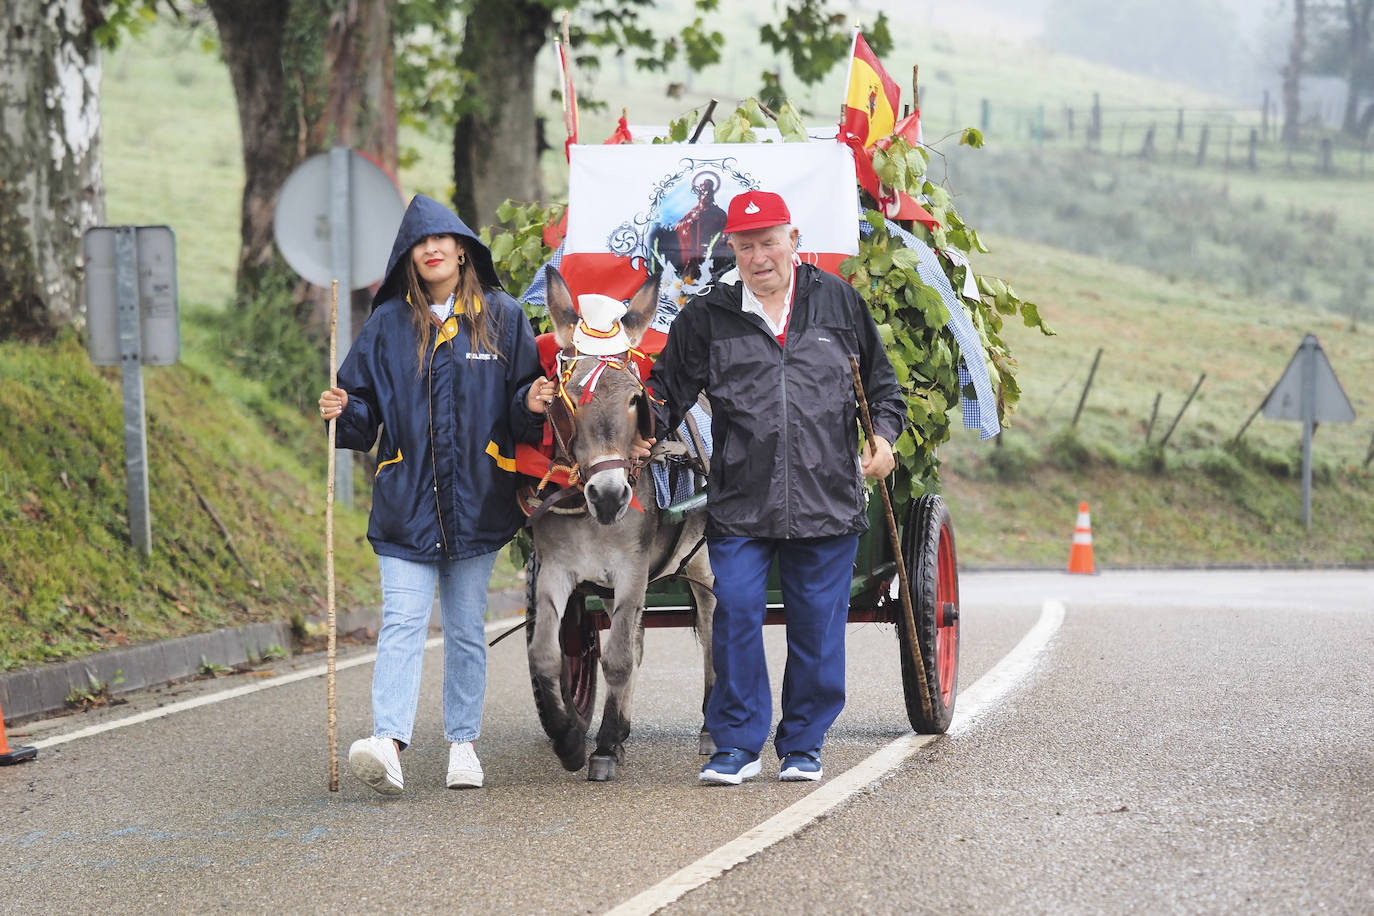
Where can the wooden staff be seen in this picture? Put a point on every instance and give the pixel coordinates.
(903, 587)
(329, 552)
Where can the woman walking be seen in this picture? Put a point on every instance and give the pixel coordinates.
(446, 370)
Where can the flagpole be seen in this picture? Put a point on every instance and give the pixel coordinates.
(849, 77)
(563, 88)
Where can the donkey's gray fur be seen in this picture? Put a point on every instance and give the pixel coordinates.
(608, 547)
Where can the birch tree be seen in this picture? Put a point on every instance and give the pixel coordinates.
(50, 183)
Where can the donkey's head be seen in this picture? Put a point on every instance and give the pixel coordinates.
(605, 396)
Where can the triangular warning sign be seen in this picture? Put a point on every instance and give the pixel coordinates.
(1309, 389)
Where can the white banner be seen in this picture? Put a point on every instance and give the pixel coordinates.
(620, 196)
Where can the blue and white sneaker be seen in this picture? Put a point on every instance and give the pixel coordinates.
(730, 766)
(801, 766)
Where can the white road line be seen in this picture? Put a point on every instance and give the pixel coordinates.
(973, 702)
(234, 692)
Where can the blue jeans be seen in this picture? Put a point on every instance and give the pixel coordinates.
(407, 602)
(815, 578)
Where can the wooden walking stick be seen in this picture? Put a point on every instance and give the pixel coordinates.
(329, 552)
(903, 587)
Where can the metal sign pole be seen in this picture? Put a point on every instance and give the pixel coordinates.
(1309, 416)
(341, 249)
(1309, 392)
(131, 364)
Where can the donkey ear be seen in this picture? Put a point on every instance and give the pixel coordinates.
(562, 312)
(641, 310)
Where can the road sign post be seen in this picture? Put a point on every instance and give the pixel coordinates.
(1308, 391)
(335, 219)
(131, 313)
(131, 370)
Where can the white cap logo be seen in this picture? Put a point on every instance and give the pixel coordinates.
(752, 208)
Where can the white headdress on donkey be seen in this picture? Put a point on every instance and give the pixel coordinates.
(599, 331)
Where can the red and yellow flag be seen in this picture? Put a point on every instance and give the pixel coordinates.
(870, 107)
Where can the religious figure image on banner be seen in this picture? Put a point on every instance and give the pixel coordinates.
(641, 209)
(691, 244)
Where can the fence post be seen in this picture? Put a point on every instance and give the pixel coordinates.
(1178, 134)
(1254, 141)
(1068, 111)
(985, 116)
(1264, 116)
(1246, 425)
(1325, 166)
(1095, 126)
(1202, 146)
(1191, 394)
(1147, 149)
(1088, 384)
(1228, 146)
(1121, 140)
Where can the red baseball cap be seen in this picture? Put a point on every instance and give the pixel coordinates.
(756, 210)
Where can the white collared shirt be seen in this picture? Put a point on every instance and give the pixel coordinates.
(443, 311)
(751, 303)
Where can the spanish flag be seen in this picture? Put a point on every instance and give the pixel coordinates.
(870, 107)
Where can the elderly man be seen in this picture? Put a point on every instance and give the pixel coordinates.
(770, 343)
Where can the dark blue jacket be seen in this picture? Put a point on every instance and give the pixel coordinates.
(785, 462)
(445, 483)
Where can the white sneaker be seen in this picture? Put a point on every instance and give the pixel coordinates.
(464, 769)
(375, 761)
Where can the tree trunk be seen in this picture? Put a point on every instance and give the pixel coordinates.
(495, 147)
(253, 38)
(51, 189)
(360, 111)
(307, 74)
(1357, 16)
(1292, 72)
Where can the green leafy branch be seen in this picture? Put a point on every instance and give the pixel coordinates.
(911, 315)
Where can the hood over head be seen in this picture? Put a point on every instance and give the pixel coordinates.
(425, 217)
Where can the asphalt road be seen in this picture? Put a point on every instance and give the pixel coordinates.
(1177, 742)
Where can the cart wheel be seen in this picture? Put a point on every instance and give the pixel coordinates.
(580, 642)
(933, 575)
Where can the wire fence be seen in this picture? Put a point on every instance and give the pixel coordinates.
(1224, 138)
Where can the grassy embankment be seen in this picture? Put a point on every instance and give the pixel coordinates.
(229, 465)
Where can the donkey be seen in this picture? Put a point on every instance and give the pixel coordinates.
(610, 545)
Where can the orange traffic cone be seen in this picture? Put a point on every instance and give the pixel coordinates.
(10, 755)
(1081, 554)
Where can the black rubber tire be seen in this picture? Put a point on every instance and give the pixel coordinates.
(580, 643)
(933, 573)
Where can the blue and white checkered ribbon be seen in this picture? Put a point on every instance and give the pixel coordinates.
(676, 483)
(972, 360)
(537, 294)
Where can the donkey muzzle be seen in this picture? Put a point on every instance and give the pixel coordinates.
(608, 494)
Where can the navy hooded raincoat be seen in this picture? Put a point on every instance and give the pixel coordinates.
(445, 483)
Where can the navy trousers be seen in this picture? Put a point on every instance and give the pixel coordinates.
(816, 574)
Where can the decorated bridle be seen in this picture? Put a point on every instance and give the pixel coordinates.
(562, 414)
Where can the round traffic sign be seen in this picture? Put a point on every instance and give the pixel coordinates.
(301, 224)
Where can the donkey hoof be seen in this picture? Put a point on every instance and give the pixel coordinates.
(573, 755)
(705, 745)
(600, 768)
